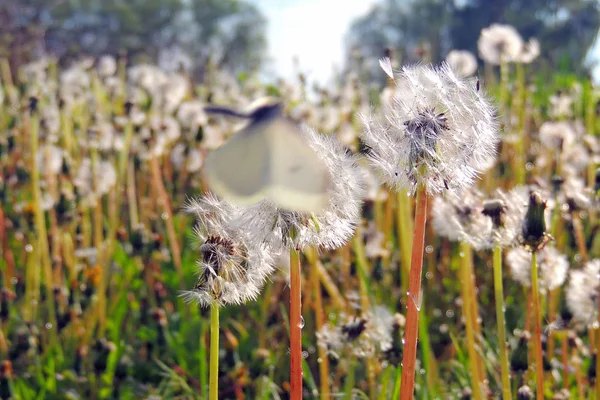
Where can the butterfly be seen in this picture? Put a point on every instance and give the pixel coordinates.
(269, 158)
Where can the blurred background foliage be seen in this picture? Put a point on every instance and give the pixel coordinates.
(189, 32)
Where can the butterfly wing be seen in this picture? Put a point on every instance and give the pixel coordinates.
(269, 159)
(236, 170)
(298, 178)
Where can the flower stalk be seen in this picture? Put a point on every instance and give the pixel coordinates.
(537, 339)
(465, 280)
(295, 326)
(414, 291)
(213, 391)
(500, 323)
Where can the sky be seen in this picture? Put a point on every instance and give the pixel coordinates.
(313, 31)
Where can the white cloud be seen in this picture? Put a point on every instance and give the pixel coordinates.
(311, 30)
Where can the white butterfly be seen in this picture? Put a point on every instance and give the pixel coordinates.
(268, 159)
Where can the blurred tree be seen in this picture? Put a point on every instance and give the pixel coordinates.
(566, 28)
(231, 32)
(227, 34)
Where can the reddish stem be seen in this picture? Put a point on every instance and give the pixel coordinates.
(295, 326)
(414, 292)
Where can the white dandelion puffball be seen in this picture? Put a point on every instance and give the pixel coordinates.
(500, 43)
(232, 268)
(462, 62)
(439, 131)
(582, 293)
(552, 267)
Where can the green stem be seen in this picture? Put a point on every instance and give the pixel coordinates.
(213, 391)
(202, 362)
(465, 280)
(537, 340)
(501, 324)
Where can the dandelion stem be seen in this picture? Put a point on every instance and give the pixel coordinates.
(468, 310)
(565, 360)
(537, 339)
(40, 227)
(166, 206)
(295, 326)
(319, 322)
(500, 323)
(404, 228)
(213, 391)
(414, 291)
(597, 353)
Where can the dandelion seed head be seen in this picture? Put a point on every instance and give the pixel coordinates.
(365, 336)
(232, 268)
(462, 62)
(439, 131)
(557, 135)
(107, 66)
(531, 51)
(498, 220)
(94, 180)
(498, 43)
(582, 293)
(552, 267)
(453, 214)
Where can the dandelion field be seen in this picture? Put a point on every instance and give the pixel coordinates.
(101, 161)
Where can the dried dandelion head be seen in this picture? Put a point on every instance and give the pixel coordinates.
(440, 131)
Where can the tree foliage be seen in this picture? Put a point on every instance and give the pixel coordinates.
(231, 32)
(566, 28)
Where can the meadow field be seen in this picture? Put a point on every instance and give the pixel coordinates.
(107, 290)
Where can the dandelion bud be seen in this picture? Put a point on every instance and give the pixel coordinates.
(102, 349)
(33, 104)
(518, 361)
(525, 393)
(123, 368)
(597, 185)
(534, 225)
(591, 371)
(557, 182)
(6, 375)
(231, 342)
(467, 394)
(353, 329)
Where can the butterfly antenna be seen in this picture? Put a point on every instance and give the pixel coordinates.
(225, 111)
